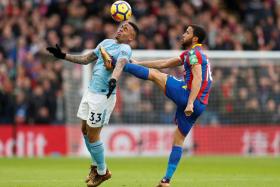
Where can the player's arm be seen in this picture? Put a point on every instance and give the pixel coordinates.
(119, 68)
(123, 58)
(116, 74)
(196, 84)
(160, 64)
(81, 59)
(78, 59)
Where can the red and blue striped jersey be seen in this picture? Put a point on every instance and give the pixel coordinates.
(191, 57)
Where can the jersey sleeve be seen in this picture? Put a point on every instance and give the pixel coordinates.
(96, 50)
(125, 53)
(195, 57)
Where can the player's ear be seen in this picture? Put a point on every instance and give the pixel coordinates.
(130, 40)
(195, 39)
(131, 37)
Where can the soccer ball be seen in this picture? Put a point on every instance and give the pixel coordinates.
(120, 11)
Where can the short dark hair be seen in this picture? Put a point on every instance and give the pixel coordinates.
(135, 27)
(199, 32)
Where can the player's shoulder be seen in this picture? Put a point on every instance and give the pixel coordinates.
(196, 55)
(183, 54)
(107, 41)
(125, 46)
(196, 51)
(193, 51)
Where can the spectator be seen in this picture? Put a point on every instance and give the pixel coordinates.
(131, 103)
(252, 109)
(7, 105)
(146, 105)
(239, 105)
(21, 108)
(167, 116)
(269, 114)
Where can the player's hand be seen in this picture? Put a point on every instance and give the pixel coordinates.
(112, 85)
(56, 51)
(107, 59)
(189, 109)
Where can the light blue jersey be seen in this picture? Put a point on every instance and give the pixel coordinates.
(101, 76)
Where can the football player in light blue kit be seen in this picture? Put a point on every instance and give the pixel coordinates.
(96, 107)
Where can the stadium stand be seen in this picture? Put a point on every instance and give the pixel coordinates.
(32, 86)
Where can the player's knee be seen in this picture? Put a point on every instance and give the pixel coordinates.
(93, 137)
(178, 138)
(178, 142)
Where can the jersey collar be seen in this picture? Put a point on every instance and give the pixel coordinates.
(196, 45)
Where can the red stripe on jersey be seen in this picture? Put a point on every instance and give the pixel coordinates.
(205, 99)
(190, 81)
(204, 85)
(199, 57)
(182, 55)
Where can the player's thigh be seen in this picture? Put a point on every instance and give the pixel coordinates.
(185, 123)
(100, 109)
(158, 78)
(176, 91)
(83, 107)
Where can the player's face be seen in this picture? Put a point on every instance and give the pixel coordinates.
(125, 33)
(187, 38)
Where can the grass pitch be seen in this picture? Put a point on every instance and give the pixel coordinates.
(143, 172)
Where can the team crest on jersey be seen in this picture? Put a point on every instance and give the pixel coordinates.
(185, 87)
(193, 57)
(124, 53)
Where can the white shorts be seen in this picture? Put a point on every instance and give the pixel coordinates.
(96, 109)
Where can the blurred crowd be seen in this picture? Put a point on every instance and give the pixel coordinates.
(248, 95)
(31, 82)
(240, 95)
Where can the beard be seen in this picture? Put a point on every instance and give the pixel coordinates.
(186, 44)
(118, 38)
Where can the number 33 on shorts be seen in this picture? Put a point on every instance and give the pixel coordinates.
(96, 109)
(95, 117)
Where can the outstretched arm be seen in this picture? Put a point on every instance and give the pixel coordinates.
(78, 59)
(81, 59)
(160, 64)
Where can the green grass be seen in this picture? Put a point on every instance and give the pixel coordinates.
(143, 172)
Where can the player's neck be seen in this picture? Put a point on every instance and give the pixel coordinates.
(192, 46)
(122, 42)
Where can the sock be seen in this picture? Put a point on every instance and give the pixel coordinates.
(88, 148)
(137, 70)
(97, 151)
(173, 161)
